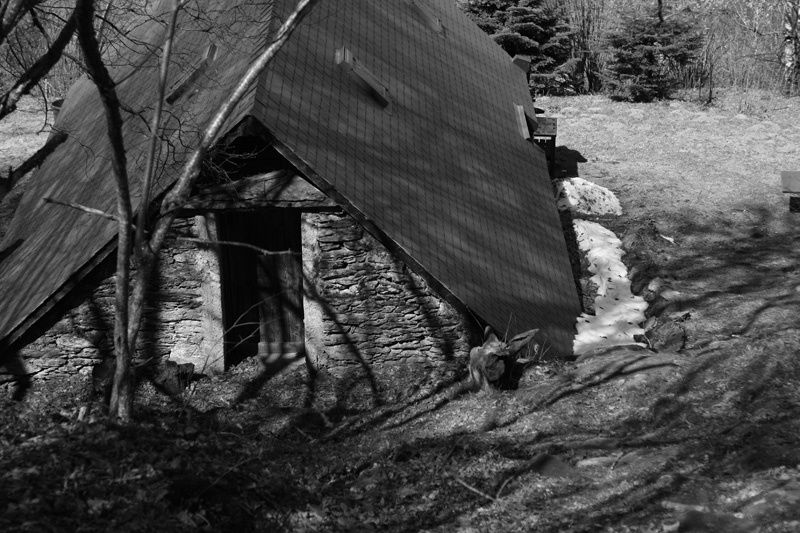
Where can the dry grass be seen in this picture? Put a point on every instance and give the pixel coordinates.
(22, 133)
(680, 159)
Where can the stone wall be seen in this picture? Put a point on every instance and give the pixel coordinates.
(173, 326)
(367, 315)
(368, 319)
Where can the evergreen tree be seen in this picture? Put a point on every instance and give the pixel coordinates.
(649, 52)
(532, 28)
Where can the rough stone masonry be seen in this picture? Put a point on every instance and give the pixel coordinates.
(365, 312)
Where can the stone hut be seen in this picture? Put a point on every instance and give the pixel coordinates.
(374, 201)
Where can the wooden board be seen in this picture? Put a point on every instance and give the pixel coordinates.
(790, 181)
(546, 127)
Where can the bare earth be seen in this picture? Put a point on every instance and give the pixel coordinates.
(701, 439)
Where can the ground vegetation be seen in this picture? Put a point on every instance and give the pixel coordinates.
(749, 45)
(698, 437)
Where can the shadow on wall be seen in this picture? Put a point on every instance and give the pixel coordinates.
(274, 366)
(82, 327)
(436, 338)
(12, 370)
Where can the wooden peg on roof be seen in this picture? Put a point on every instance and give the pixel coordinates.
(522, 122)
(379, 92)
(426, 15)
(523, 62)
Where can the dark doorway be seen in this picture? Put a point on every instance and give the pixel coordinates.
(261, 293)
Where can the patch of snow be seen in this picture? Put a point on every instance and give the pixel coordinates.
(584, 198)
(618, 311)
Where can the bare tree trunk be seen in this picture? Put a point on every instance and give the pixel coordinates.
(121, 405)
(131, 293)
(661, 11)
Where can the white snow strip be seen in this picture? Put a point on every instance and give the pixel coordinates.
(584, 198)
(617, 311)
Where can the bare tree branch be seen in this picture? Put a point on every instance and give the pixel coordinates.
(11, 12)
(155, 126)
(238, 244)
(23, 85)
(179, 194)
(80, 207)
(103, 22)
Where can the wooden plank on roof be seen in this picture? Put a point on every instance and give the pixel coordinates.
(192, 74)
(378, 90)
(523, 62)
(428, 17)
(522, 122)
(546, 127)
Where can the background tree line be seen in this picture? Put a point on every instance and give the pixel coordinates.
(645, 50)
(632, 50)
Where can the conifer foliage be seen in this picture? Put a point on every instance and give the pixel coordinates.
(649, 54)
(533, 28)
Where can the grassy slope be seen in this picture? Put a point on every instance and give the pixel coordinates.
(618, 442)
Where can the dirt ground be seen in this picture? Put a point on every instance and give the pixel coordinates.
(703, 438)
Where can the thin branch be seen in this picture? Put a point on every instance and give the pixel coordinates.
(81, 207)
(155, 126)
(503, 486)
(473, 489)
(38, 25)
(104, 20)
(260, 250)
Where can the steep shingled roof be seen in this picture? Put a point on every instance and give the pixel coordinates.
(441, 171)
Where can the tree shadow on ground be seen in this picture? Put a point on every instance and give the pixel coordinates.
(730, 408)
(566, 162)
(739, 269)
